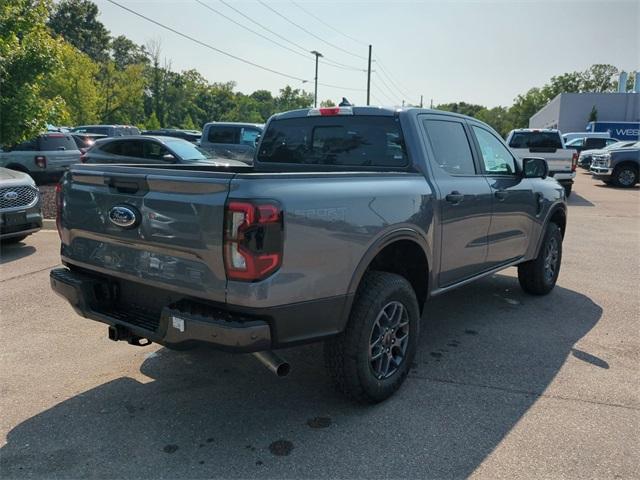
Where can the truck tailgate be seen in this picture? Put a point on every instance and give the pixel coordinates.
(175, 236)
(559, 160)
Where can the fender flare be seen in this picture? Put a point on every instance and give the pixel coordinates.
(384, 240)
(547, 219)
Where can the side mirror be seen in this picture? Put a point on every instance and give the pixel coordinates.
(257, 140)
(534, 168)
(167, 157)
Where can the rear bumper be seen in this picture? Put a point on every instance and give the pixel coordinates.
(185, 321)
(563, 177)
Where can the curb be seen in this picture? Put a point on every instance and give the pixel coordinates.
(48, 224)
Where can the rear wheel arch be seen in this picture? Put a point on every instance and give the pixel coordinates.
(401, 252)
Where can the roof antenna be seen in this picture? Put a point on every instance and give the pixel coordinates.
(345, 103)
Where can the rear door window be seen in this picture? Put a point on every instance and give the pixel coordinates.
(222, 134)
(114, 148)
(595, 142)
(335, 140)
(131, 148)
(450, 146)
(28, 146)
(57, 142)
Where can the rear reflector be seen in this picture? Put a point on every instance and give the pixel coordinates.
(329, 111)
(574, 162)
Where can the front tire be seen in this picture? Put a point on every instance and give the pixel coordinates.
(539, 276)
(625, 176)
(370, 360)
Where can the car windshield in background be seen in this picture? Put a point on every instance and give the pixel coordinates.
(57, 142)
(335, 140)
(188, 151)
(535, 140)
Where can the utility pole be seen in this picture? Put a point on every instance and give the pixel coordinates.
(315, 95)
(421, 104)
(369, 78)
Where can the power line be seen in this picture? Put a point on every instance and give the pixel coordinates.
(333, 63)
(393, 95)
(328, 24)
(311, 33)
(211, 47)
(391, 80)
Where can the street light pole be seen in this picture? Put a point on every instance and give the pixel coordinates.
(369, 78)
(315, 95)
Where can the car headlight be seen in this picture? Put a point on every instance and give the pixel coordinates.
(607, 159)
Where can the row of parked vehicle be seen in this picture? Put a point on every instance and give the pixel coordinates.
(48, 155)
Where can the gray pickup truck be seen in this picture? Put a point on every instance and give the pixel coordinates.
(348, 221)
(619, 167)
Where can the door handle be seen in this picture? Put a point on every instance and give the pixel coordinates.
(501, 194)
(454, 197)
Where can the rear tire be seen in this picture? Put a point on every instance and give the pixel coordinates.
(539, 276)
(625, 176)
(370, 360)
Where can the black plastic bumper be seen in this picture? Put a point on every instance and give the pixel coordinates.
(169, 319)
(179, 323)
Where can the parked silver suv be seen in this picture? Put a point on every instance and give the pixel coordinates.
(20, 213)
(45, 158)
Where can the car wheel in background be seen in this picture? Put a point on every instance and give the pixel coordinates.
(371, 359)
(625, 176)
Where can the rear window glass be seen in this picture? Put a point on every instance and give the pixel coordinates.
(188, 151)
(450, 146)
(220, 134)
(100, 130)
(335, 140)
(57, 142)
(535, 140)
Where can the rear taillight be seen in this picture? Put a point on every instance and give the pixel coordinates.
(253, 239)
(83, 156)
(41, 161)
(574, 162)
(59, 208)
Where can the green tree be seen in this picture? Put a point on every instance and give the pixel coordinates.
(77, 22)
(152, 122)
(291, 99)
(125, 52)
(246, 109)
(76, 83)
(122, 94)
(28, 54)
(461, 107)
(327, 103)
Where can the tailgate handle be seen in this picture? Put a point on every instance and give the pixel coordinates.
(124, 186)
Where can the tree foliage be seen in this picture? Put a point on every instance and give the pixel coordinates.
(77, 22)
(28, 55)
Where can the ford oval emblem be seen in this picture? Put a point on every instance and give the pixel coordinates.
(124, 216)
(10, 196)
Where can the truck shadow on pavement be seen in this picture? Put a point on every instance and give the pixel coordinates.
(12, 252)
(487, 353)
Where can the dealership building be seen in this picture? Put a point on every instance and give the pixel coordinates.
(569, 112)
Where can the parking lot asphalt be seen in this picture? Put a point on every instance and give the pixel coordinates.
(505, 385)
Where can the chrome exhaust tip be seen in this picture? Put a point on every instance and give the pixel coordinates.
(273, 362)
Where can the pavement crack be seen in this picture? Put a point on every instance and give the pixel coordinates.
(524, 392)
(30, 273)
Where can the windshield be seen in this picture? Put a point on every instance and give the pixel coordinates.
(188, 151)
(535, 140)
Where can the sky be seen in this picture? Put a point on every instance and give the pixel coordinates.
(483, 52)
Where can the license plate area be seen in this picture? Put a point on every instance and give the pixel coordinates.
(13, 219)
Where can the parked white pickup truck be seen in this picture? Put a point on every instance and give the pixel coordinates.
(548, 144)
